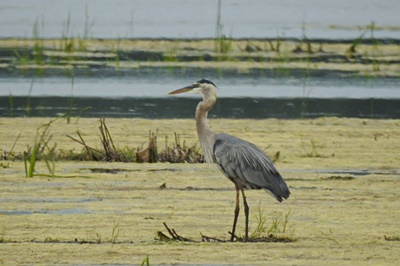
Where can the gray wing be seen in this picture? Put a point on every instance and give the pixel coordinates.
(243, 162)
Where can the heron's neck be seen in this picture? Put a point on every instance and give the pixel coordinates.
(206, 135)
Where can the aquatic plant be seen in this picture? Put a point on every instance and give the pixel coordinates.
(278, 231)
(38, 47)
(375, 49)
(145, 261)
(222, 43)
(114, 232)
(329, 236)
(352, 50)
(277, 47)
(11, 104)
(312, 151)
(282, 60)
(71, 44)
(28, 99)
(41, 150)
(69, 114)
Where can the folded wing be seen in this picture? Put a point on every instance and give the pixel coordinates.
(246, 164)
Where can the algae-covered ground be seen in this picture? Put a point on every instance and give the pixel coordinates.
(344, 208)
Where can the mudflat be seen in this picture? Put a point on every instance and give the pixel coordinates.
(286, 57)
(344, 208)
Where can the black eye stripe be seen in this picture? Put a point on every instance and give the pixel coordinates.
(203, 81)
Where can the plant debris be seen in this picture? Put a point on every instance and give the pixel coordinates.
(173, 236)
(179, 153)
(340, 177)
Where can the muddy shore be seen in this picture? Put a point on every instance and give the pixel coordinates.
(282, 57)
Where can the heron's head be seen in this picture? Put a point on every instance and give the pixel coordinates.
(204, 87)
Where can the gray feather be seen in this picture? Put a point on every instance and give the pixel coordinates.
(246, 164)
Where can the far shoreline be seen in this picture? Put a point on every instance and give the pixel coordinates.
(361, 57)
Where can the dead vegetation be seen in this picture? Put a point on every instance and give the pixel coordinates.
(278, 231)
(44, 148)
(109, 152)
(340, 177)
(178, 153)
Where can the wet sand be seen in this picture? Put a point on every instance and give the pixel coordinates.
(345, 191)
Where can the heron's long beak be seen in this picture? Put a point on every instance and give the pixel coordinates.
(184, 89)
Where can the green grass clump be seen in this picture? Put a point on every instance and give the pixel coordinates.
(41, 150)
(114, 233)
(312, 151)
(392, 238)
(277, 231)
(223, 44)
(145, 261)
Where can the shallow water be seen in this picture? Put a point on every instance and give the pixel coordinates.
(338, 19)
(169, 108)
(240, 96)
(159, 83)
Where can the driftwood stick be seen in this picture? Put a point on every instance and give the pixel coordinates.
(237, 238)
(205, 238)
(88, 149)
(175, 235)
(169, 231)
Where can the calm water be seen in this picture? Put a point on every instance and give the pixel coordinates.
(337, 19)
(154, 85)
(175, 107)
(241, 96)
(144, 93)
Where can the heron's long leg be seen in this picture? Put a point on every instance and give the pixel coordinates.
(236, 213)
(246, 212)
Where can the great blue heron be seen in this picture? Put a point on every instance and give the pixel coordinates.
(241, 161)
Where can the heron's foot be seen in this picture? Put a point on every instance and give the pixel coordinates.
(236, 238)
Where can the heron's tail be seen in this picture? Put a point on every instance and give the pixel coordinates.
(279, 192)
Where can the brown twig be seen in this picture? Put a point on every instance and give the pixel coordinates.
(175, 235)
(205, 238)
(88, 149)
(108, 144)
